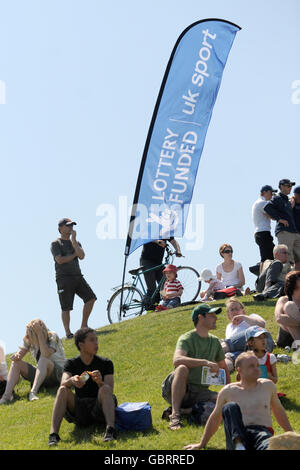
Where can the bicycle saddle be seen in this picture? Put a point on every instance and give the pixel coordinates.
(135, 271)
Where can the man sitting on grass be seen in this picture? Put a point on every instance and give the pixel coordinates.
(183, 388)
(93, 401)
(246, 410)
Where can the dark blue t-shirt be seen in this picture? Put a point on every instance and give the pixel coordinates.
(296, 211)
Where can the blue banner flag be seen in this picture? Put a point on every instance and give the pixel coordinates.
(177, 132)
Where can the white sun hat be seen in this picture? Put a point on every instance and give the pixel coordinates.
(206, 275)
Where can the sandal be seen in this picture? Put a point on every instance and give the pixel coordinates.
(175, 422)
(167, 413)
(70, 336)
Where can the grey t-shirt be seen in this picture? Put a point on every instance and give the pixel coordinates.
(65, 248)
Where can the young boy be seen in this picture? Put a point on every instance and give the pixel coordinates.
(93, 401)
(172, 289)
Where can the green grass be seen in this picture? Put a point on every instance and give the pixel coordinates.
(142, 351)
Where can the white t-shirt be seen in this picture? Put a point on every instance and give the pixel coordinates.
(3, 365)
(262, 360)
(231, 278)
(234, 329)
(261, 220)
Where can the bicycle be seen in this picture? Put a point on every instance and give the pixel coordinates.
(134, 292)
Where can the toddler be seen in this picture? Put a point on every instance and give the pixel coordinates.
(214, 285)
(172, 289)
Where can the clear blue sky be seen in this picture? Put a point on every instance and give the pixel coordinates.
(82, 80)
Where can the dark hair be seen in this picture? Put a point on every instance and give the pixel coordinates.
(290, 283)
(81, 334)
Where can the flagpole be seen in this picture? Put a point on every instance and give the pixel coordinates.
(123, 279)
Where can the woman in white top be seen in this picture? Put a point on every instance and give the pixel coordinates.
(47, 350)
(235, 342)
(230, 271)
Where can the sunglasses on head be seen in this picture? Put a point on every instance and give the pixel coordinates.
(227, 251)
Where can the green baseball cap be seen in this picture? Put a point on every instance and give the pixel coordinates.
(203, 309)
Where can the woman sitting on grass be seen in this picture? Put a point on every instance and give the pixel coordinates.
(235, 342)
(48, 352)
(231, 272)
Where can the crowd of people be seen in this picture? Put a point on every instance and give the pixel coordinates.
(85, 384)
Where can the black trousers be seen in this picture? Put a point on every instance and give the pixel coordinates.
(152, 277)
(265, 242)
(253, 437)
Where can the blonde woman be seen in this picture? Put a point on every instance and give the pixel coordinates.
(235, 341)
(47, 350)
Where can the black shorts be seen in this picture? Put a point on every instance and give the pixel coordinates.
(67, 287)
(265, 242)
(87, 411)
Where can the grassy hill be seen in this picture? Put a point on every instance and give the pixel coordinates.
(142, 351)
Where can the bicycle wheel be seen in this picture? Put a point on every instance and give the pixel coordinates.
(131, 304)
(189, 279)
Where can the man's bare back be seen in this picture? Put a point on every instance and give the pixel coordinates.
(253, 399)
(255, 403)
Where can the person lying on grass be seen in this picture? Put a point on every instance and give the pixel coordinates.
(183, 388)
(47, 350)
(93, 380)
(245, 407)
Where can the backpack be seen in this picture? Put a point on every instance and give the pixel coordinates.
(228, 292)
(133, 416)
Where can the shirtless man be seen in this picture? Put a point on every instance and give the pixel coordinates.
(245, 407)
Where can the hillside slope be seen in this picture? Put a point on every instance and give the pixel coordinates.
(142, 351)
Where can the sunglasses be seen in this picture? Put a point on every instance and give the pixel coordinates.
(227, 251)
(288, 185)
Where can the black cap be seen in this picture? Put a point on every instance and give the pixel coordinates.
(66, 222)
(267, 187)
(286, 181)
(297, 190)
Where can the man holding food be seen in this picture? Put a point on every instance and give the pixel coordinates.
(92, 377)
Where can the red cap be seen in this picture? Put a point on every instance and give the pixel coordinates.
(171, 268)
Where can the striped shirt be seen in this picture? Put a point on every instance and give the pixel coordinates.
(172, 287)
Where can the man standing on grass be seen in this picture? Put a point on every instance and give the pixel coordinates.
(66, 251)
(245, 407)
(280, 209)
(262, 223)
(93, 401)
(183, 388)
